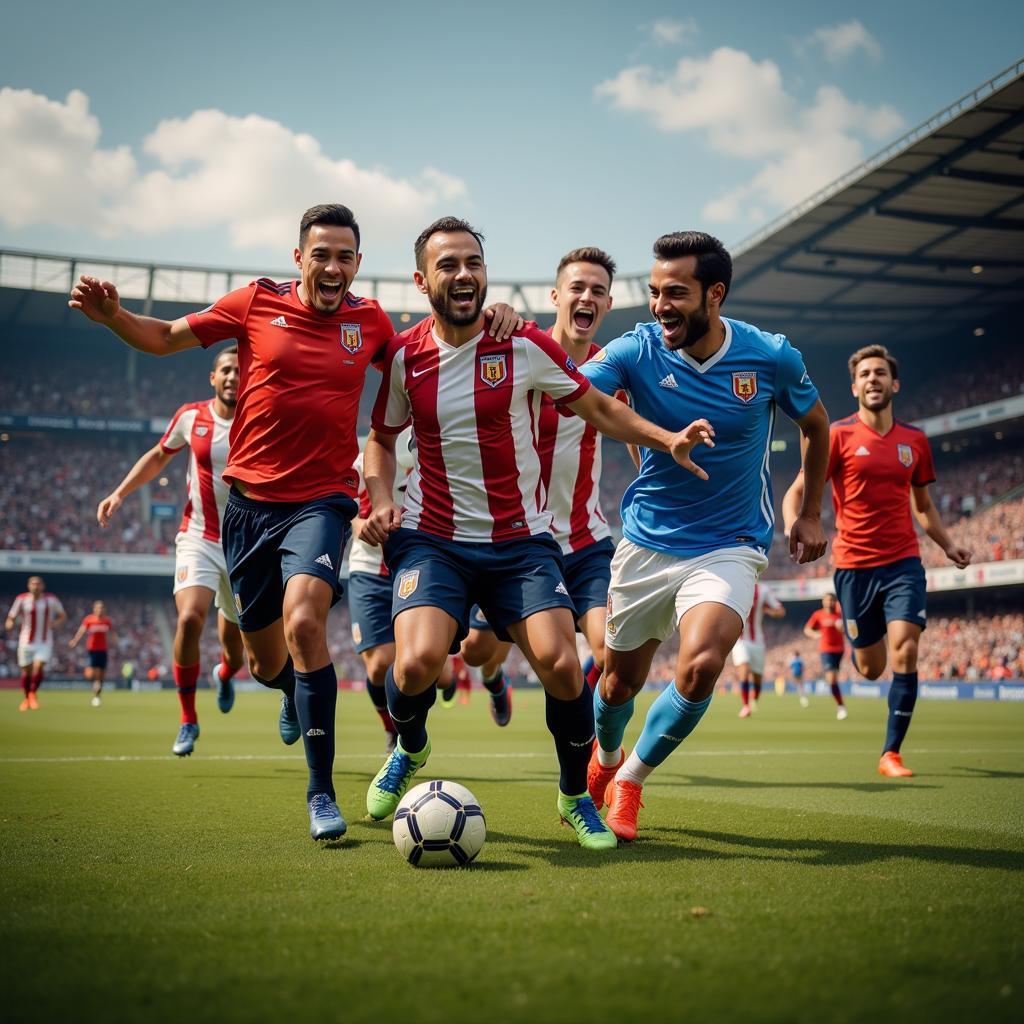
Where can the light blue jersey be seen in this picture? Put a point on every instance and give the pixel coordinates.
(666, 508)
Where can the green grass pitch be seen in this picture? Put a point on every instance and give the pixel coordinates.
(137, 887)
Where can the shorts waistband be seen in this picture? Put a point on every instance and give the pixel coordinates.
(235, 497)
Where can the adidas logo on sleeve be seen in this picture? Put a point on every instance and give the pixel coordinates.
(325, 559)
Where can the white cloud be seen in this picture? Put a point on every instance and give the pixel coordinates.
(671, 32)
(842, 41)
(742, 109)
(250, 176)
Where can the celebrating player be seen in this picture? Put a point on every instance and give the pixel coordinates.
(304, 350)
(570, 470)
(824, 626)
(98, 631)
(472, 528)
(748, 654)
(693, 548)
(880, 469)
(40, 613)
(200, 572)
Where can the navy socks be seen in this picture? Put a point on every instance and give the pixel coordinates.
(409, 713)
(571, 722)
(902, 698)
(283, 681)
(316, 697)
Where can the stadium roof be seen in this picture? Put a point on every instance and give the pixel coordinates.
(925, 238)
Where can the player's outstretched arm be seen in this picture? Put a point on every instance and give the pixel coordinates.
(146, 469)
(617, 420)
(99, 301)
(801, 508)
(927, 516)
(379, 467)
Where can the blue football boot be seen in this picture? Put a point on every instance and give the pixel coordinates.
(225, 690)
(288, 721)
(186, 741)
(325, 820)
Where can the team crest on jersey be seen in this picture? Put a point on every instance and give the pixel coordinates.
(905, 454)
(493, 369)
(408, 582)
(744, 385)
(851, 629)
(357, 633)
(202, 431)
(599, 357)
(183, 574)
(351, 337)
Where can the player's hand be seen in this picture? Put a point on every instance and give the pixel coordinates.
(71, 643)
(683, 443)
(807, 541)
(381, 523)
(960, 557)
(505, 321)
(106, 509)
(97, 299)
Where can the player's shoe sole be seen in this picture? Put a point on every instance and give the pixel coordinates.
(841, 713)
(186, 741)
(288, 721)
(325, 821)
(225, 691)
(580, 814)
(391, 782)
(891, 766)
(501, 705)
(624, 805)
(599, 775)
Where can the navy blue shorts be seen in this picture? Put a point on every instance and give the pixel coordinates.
(477, 620)
(266, 543)
(588, 574)
(870, 598)
(831, 660)
(369, 608)
(509, 581)
(97, 659)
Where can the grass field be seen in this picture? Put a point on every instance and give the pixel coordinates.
(137, 887)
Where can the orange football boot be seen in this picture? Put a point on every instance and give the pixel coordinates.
(892, 766)
(599, 775)
(23, 706)
(623, 808)
(33, 701)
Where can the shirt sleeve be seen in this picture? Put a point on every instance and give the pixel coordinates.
(551, 370)
(57, 606)
(812, 622)
(608, 370)
(392, 412)
(794, 391)
(386, 330)
(924, 471)
(15, 608)
(224, 319)
(176, 436)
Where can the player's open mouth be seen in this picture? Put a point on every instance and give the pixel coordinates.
(671, 325)
(462, 296)
(328, 290)
(583, 318)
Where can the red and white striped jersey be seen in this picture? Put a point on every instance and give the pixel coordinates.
(363, 557)
(36, 617)
(753, 628)
(570, 473)
(206, 435)
(474, 409)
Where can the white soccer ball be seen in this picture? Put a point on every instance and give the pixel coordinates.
(439, 824)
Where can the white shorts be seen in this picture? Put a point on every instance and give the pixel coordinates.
(650, 591)
(28, 654)
(200, 563)
(747, 653)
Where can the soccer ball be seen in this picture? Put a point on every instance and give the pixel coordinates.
(439, 824)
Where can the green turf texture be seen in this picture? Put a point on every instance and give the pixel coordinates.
(153, 889)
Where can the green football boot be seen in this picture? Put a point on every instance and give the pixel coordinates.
(580, 813)
(391, 782)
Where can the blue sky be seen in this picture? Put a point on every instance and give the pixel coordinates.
(198, 132)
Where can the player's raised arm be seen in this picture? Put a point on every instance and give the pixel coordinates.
(146, 469)
(928, 518)
(379, 467)
(802, 505)
(99, 301)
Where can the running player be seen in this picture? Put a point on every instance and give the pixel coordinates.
(304, 349)
(40, 614)
(570, 470)
(472, 528)
(748, 654)
(692, 549)
(824, 625)
(796, 671)
(880, 470)
(200, 572)
(98, 631)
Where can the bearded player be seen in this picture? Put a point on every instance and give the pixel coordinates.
(880, 470)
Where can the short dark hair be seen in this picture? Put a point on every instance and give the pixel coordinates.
(714, 264)
(874, 352)
(231, 350)
(333, 214)
(443, 224)
(587, 254)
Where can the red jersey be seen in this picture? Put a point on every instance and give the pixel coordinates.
(829, 624)
(871, 478)
(293, 437)
(96, 629)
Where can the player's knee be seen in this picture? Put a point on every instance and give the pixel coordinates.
(869, 669)
(377, 667)
(190, 623)
(615, 690)
(415, 672)
(477, 648)
(597, 652)
(303, 629)
(904, 655)
(698, 675)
